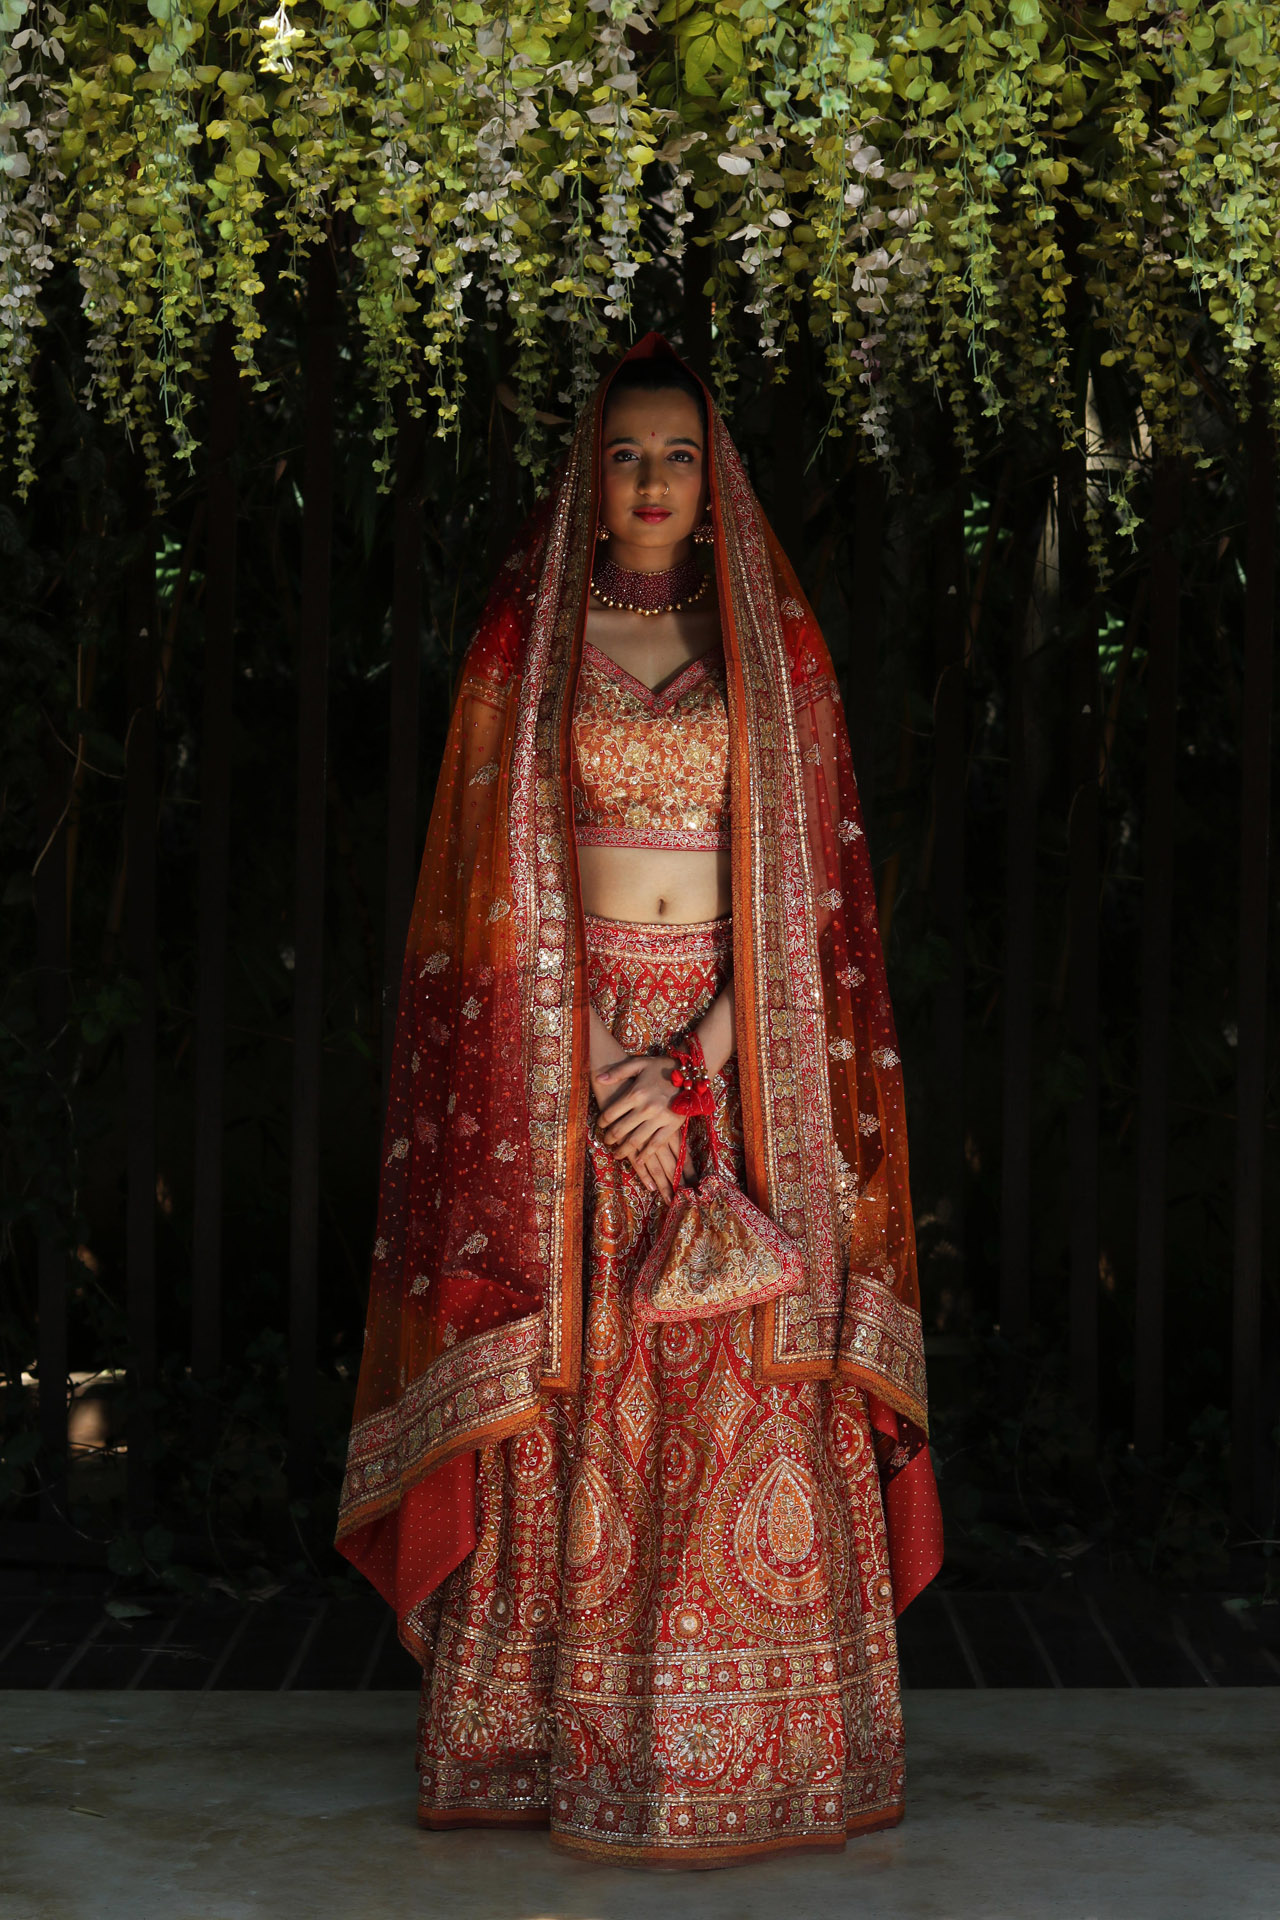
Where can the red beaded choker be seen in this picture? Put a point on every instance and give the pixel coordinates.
(668, 592)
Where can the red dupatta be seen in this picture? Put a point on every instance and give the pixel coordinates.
(475, 1307)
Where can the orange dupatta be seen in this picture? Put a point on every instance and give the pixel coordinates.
(475, 1306)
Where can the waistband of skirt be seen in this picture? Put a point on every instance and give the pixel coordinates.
(659, 939)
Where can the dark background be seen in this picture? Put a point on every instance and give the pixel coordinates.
(1065, 766)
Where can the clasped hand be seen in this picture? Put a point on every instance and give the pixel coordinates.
(636, 1122)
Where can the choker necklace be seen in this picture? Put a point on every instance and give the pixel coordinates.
(648, 593)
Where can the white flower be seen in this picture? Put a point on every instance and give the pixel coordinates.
(832, 899)
(851, 976)
(504, 1151)
(471, 1010)
(840, 1049)
(435, 962)
(849, 830)
(885, 1057)
(733, 163)
(484, 776)
(474, 1243)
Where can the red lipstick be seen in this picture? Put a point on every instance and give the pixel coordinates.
(653, 515)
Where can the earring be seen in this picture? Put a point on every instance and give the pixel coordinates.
(705, 535)
(602, 532)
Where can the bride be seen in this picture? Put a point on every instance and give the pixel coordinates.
(650, 1564)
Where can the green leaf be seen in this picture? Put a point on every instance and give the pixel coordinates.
(698, 64)
(729, 41)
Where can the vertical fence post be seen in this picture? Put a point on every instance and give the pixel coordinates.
(1019, 992)
(141, 766)
(402, 782)
(308, 974)
(1248, 1423)
(214, 876)
(864, 637)
(1157, 959)
(949, 618)
(51, 1257)
(1080, 632)
(504, 485)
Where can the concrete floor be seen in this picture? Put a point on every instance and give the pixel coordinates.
(1080, 1805)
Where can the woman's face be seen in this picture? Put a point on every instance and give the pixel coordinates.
(653, 482)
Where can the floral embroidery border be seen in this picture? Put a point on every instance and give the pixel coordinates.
(881, 1344)
(543, 874)
(797, 1334)
(476, 1391)
(681, 839)
(697, 939)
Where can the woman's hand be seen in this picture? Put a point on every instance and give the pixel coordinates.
(655, 1168)
(634, 1096)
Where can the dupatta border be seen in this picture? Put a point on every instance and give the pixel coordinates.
(881, 1349)
(549, 929)
(476, 1392)
(780, 1001)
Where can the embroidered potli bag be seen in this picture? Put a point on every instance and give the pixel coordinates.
(716, 1251)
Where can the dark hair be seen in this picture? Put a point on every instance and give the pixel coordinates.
(658, 375)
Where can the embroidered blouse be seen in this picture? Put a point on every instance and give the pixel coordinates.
(651, 769)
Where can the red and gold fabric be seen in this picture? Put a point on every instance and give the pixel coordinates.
(478, 1289)
(674, 1642)
(651, 769)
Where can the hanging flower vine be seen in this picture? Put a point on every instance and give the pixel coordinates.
(964, 193)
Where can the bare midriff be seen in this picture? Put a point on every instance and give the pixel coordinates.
(682, 886)
(651, 883)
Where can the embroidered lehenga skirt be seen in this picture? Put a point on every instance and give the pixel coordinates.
(674, 1642)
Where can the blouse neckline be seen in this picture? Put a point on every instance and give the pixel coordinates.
(667, 691)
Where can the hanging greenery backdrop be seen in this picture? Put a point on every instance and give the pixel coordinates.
(946, 193)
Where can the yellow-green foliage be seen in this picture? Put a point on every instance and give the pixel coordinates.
(950, 194)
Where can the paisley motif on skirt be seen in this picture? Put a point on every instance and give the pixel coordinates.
(674, 1642)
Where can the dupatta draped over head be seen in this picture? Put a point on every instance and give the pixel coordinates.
(476, 1300)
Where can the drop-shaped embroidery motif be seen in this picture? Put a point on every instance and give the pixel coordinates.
(788, 1518)
(598, 1545)
(583, 1534)
(775, 1540)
